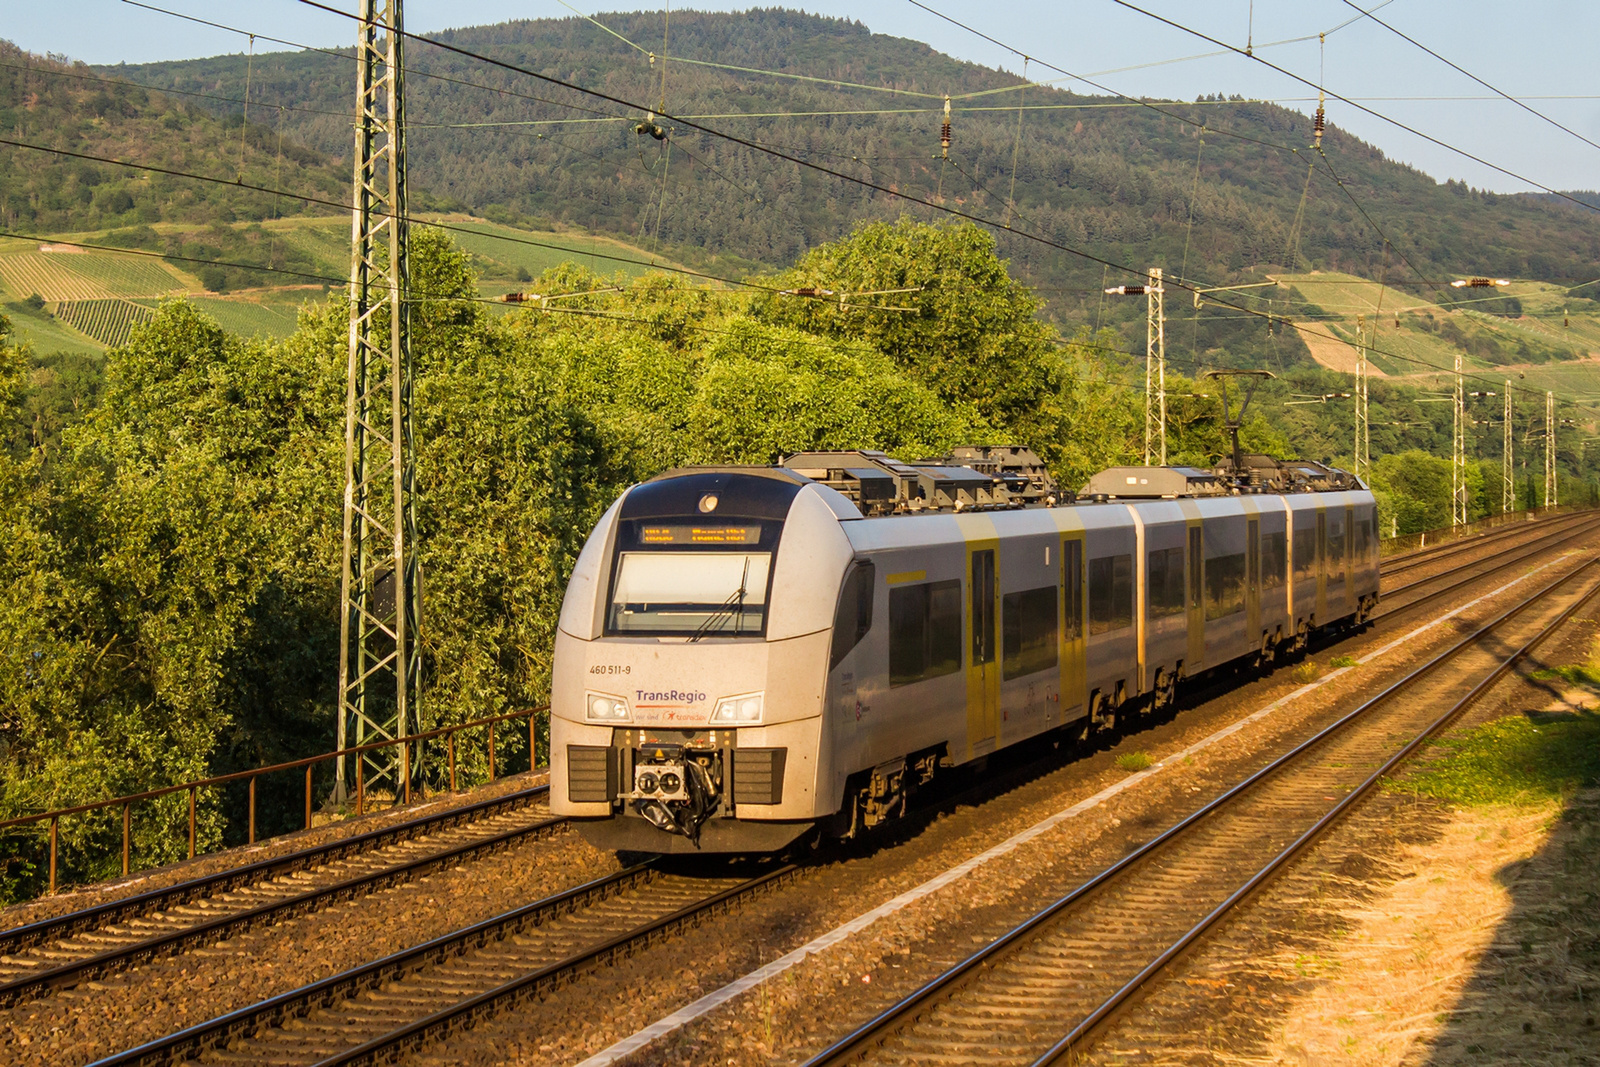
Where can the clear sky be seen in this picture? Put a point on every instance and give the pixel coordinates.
(1541, 51)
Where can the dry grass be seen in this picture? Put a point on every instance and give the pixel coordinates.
(1391, 981)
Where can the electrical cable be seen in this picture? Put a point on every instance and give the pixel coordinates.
(74, 75)
(1460, 70)
(1344, 99)
(597, 94)
(336, 54)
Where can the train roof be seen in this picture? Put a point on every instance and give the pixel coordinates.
(1010, 477)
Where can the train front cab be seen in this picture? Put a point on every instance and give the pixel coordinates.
(696, 630)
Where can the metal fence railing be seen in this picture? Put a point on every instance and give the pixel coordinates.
(444, 736)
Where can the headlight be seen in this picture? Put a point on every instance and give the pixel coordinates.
(607, 709)
(732, 711)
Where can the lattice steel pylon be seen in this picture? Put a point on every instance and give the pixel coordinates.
(1550, 496)
(1458, 458)
(1508, 497)
(1363, 461)
(380, 591)
(1155, 371)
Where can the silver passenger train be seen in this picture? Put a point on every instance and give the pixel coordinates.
(745, 653)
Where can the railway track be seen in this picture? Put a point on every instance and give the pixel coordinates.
(377, 1012)
(59, 953)
(1036, 994)
(64, 951)
(1423, 556)
(1547, 541)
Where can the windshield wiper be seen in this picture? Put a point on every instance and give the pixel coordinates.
(733, 605)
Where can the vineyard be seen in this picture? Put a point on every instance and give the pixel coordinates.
(107, 321)
(25, 273)
(128, 276)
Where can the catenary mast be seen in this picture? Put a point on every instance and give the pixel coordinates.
(380, 590)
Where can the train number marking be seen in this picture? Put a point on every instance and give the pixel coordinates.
(610, 668)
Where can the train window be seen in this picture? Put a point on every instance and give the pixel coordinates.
(716, 593)
(1072, 575)
(1028, 631)
(1225, 585)
(1274, 559)
(1164, 581)
(1197, 567)
(924, 631)
(1110, 593)
(853, 618)
(983, 590)
(1305, 555)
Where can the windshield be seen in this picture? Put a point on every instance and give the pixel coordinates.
(700, 593)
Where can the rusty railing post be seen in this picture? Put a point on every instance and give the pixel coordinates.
(252, 811)
(405, 770)
(127, 836)
(54, 837)
(191, 821)
(309, 767)
(533, 752)
(491, 752)
(361, 785)
(452, 738)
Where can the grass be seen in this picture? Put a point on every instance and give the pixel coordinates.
(1343, 661)
(45, 332)
(1306, 673)
(1520, 761)
(1134, 761)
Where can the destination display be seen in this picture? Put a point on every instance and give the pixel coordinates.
(700, 535)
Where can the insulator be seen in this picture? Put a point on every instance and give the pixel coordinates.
(944, 136)
(1318, 125)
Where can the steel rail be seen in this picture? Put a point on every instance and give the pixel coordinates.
(865, 1038)
(67, 975)
(1337, 813)
(1547, 541)
(170, 942)
(278, 1010)
(1447, 549)
(469, 1012)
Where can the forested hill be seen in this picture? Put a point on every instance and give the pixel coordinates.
(1091, 173)
(47, 102)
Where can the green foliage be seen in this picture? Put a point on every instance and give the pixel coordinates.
(1116, 182)
(40, 106)
(1134, 761)
(1516, 760)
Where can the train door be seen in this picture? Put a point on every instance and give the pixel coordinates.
(983, 671)
(1194, 658)
(1252, 587)
(1322, 565)
(1074, 631)
(1350, 556)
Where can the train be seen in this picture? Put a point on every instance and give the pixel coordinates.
(746, 655)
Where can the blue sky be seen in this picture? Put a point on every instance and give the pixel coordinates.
(1539, 51)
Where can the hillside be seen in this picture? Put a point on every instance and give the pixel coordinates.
(1114, 181)
(61, 106)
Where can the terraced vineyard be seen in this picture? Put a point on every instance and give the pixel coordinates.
(106, 321)
(130, 276)
(46, 274)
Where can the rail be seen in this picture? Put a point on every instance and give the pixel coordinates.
(1406, 543)
(308, 764)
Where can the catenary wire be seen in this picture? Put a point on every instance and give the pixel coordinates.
(717, 133)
